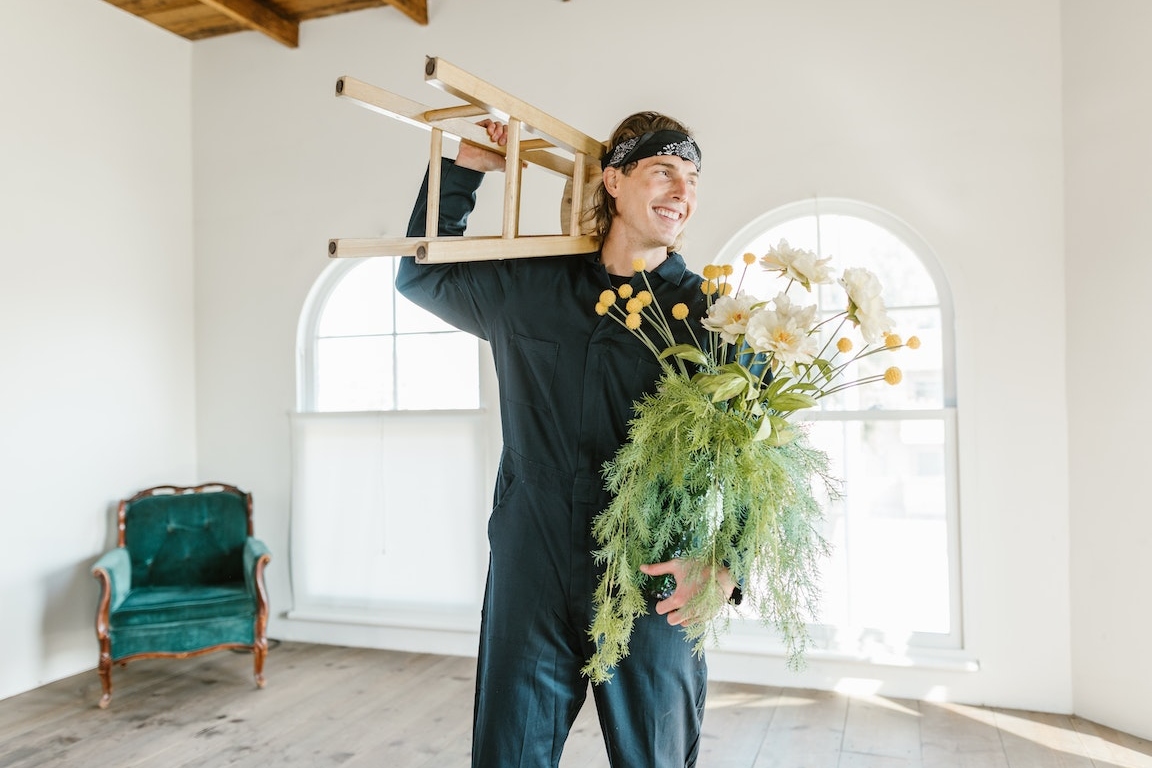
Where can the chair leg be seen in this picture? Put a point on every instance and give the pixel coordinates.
(259, 652)
(105, 670)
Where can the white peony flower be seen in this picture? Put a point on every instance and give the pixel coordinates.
(797, 264)
(865, 305)
(729, 316)
(783, 332)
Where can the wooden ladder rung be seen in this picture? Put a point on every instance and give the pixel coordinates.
(438, 250)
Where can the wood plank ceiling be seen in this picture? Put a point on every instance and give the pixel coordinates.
(279, 19)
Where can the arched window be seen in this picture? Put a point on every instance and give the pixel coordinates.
(893, 578)
(364, 347)
(390, 402)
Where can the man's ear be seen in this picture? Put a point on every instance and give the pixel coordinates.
(611, 180)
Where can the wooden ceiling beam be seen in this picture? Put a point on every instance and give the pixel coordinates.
(261, 17)
(417, 10)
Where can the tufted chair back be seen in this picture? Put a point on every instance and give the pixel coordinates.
(181, 538)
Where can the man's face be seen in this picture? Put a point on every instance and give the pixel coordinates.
(655, 200)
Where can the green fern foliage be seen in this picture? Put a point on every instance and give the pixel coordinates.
(694, 481)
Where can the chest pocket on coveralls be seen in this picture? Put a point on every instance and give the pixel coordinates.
(530, 371)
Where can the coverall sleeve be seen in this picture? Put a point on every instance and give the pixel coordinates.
(463, 294)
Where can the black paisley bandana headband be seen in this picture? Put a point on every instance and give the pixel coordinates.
(652, 144)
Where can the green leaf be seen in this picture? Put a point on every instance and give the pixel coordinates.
(739, 370)
(728, 387)
(776, 385)
(782, 432)
(706, 382)
(688, 352)
(791, 401)
(765, 430)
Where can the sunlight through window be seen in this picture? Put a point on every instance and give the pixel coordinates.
(892, 581)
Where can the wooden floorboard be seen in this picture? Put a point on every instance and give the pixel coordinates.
(358, 708)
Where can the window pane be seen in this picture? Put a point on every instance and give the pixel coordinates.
(355, 374)
(909, 294)
(361, 303)
(922, 386)
(854, 242)
(439, 371)
(889, 567)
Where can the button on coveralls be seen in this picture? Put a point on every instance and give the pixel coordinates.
(567, 378)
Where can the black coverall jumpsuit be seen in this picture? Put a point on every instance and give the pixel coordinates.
(567, 381)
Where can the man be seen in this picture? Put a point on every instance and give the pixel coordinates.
(568, 378)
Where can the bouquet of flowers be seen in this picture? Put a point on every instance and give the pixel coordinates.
(715, 472)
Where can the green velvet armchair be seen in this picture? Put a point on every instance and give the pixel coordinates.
(186, 578)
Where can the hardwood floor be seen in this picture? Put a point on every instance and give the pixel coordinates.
(335, 706)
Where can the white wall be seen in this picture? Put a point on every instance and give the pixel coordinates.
(948, 115)
(96, 333)
(1108, 121)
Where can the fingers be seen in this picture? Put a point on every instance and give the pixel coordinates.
(671, 606)
(477, 157)
(659, 569)
(688, 585)
(497, 131)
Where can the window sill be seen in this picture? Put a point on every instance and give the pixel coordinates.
(940, 659)
(415, 414)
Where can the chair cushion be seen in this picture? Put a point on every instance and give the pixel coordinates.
(176, 605)
(182, 637)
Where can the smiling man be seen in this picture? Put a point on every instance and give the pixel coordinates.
(568, 379)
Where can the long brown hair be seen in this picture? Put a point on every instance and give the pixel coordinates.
(603, 208)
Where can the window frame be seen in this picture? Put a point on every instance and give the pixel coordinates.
(307, 335)
(827, 637)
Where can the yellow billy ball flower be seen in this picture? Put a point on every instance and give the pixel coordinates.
(680, 311)
(601, 309)
(607, 298)
(634, 305)
(726, 289)
(625, 291)
(638, 265)
(727, 270)
(749, 258)
(645, 298)
(892, 340)
(844, 345)
(632, 321)
(913, 342)
(893, 376)
(708, 287)
(711, 272)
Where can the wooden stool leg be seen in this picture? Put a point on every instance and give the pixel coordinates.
(435, 160)
(578, 181)
(511, 227)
